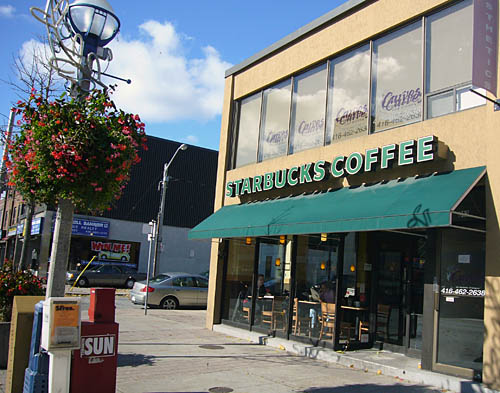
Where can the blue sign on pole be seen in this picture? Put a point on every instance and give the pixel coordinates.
(84, 227)
(36, 226)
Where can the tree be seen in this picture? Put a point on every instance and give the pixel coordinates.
(73, 152)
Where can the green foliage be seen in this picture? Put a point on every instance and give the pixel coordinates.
(77, 149)
(16, 284)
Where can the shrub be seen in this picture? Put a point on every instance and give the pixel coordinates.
(22, 283)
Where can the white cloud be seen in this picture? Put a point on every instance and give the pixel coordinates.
(167, 85)
(389, 68)
(7, 10)
(192, 139)
(34, 49)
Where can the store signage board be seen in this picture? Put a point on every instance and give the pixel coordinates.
(379, 158)
(36, 227)
(485, 45)
(84, 227)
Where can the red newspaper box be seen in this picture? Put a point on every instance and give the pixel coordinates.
(102, 305)
(93, 368)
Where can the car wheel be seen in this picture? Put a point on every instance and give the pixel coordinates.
(102, 256)
(169, 303)
(130, 283)
(82, 282)
(124, 259)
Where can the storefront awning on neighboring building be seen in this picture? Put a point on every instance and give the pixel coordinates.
(415, 202)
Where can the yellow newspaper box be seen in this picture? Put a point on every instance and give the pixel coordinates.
(61, 324)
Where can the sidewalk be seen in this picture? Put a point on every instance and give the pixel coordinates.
(171, 351)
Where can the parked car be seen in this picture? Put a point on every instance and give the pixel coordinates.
(117, 256)
(171, 290)
(111, 275)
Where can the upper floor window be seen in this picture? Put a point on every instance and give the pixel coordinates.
(308, 110)
(348, 95)
(449, 60)
(397, 78)
(248, 135)
(275, 121)
(403, 77)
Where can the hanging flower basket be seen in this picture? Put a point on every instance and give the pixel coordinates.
(81, 150)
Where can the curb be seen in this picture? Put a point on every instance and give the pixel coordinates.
(424, 377)
(88, 294)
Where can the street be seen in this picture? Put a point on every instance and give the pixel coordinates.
(171, 351)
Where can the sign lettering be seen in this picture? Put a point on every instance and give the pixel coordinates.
(485, 44)
(405, 153)
(101, 346)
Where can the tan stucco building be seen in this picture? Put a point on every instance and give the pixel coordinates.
(358, 187)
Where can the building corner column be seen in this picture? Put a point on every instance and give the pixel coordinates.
(216, 256)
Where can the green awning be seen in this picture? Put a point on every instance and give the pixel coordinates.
(414, 202)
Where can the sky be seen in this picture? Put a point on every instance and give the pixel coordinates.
(175, 53)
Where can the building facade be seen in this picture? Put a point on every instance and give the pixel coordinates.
(120, 235)
(358, 187)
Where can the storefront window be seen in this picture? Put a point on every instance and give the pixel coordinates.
(275, 121)
(461, 306)
(236, 303)
(248, 130)
(397, 78)
(348, 95)
(308, 110)
(316, 274)
(271, 304)
(102, 252)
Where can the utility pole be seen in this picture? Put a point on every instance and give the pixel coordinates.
(161, 212)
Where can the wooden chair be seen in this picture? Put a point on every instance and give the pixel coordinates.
(327, 319)
(297, 319)
(266, 312)
(246, 312)
(383, 315)
(278, 312)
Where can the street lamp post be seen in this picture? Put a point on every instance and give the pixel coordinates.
(90, 25)
(94, 24)
(161, 212)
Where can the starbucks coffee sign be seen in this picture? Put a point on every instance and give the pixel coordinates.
(404, 153)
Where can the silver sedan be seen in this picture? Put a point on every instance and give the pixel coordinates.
(171, 290)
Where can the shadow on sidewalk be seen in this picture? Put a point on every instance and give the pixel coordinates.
(135, 359)
(372, 388)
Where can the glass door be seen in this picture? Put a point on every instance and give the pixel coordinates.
(400, 291)
(391, 298)
(271, 293)
(461, 302)
(316, 277)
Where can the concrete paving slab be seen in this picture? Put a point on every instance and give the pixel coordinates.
(380, 362)
(171, 352)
